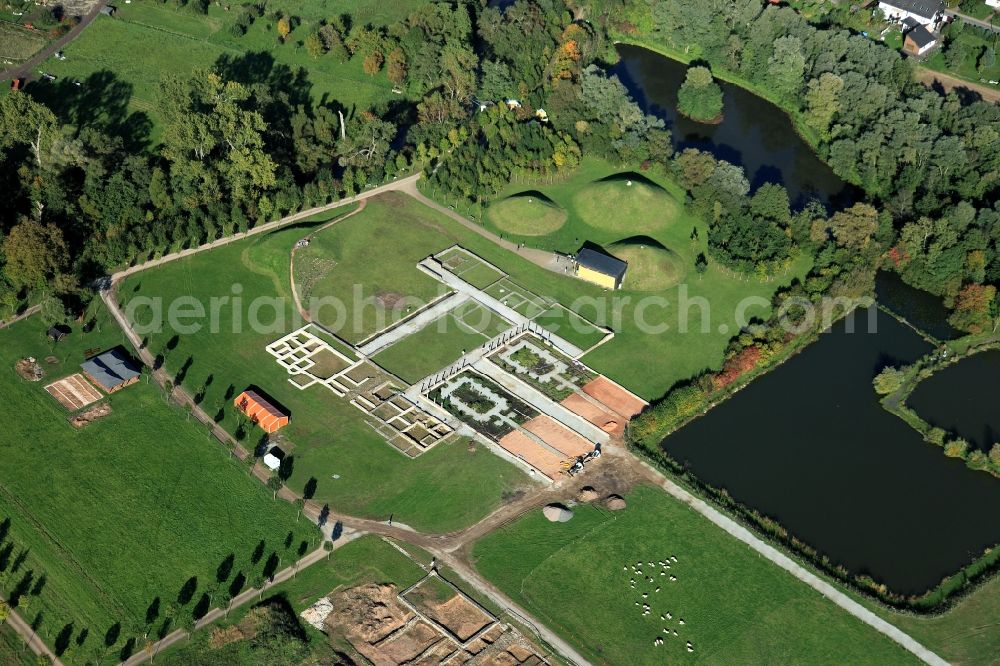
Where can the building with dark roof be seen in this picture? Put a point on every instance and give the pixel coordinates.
(600, 268)
(113, 370)
(57, 333)
(926, 12)
(919, 41)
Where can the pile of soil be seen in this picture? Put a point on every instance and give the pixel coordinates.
(29, 369)
(557, 513)
(94, 413)
(615, 502)
(586, 495)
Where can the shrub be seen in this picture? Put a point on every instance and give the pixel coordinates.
(956, 448)
(888, 381)
(935, 436)
(977, 460)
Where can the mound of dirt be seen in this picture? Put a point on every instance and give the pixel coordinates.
(586, 495)
(557, 513)
(615, 502)
(94, 413)
(29, 369)
(369, 612)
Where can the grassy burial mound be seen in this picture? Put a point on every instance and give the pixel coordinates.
(651, 266)
(626, 202)
(527, 214)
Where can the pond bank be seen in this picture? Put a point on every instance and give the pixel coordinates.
(809, 446)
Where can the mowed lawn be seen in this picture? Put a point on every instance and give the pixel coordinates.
(353, 468)
(737, 608)
(371, 279)
(106, 519)
(441, 342)
(185, 40)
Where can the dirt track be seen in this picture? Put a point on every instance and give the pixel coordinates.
(948, 83)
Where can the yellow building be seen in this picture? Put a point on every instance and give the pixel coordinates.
(599, 268)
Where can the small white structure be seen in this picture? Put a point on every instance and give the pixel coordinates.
(272, 459)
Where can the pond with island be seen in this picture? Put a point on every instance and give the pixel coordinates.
(809, 444)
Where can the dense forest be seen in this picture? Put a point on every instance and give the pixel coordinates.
(496, 92)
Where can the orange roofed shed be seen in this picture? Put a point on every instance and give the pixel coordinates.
(261, 412)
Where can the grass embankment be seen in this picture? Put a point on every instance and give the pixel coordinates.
(119, 48)
(106, 519)
(736, 606)
(444, 489)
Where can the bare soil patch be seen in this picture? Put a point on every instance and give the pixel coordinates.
(614, 396)
(29, 370)
(520, 445)
(73, 392)
(96, 412)
(369, 612)
(604, 419)
(558, 436)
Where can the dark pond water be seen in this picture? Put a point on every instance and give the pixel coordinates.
(754, 133)
(963, 398)
(921, 308)
(809, 445)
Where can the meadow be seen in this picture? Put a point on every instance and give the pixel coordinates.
(186, 40)
(333, 450)
(732, 605)
(112, 520)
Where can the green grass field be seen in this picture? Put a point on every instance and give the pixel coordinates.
(969, 633)
(570, 326)
(736, 607)
(444, 489)
(527, 214)
(122, 512)
(13, 651)
(375, 274)
(185, 40)
(368, 559)
(441, 342)
(17, 43)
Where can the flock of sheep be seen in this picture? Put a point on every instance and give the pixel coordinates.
(664, 572)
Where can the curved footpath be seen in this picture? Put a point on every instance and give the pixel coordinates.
(453, 549)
